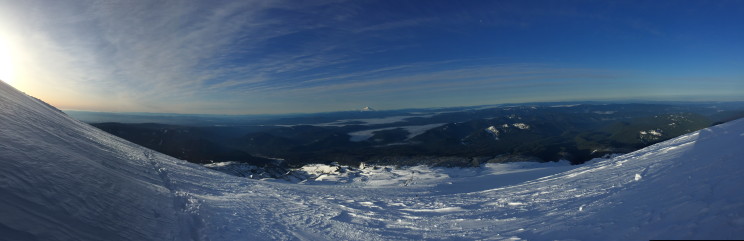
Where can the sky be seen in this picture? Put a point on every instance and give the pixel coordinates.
(274, 56)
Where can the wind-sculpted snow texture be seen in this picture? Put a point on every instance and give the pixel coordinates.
(64, 180)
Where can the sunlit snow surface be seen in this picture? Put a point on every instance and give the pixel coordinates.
(64, 180)
(371, 176)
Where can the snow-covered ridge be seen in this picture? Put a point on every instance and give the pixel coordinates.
(493, 131)
(64, 180)
(374, 176)
(651, 132)
(521, 126)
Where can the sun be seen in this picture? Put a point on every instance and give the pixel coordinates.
(7, 73)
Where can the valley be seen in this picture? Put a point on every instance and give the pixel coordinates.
(462, 137)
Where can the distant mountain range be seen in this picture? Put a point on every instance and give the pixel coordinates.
(465, 136)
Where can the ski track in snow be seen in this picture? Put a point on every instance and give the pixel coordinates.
(65, 180)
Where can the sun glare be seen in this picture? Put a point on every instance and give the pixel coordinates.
(6, 62)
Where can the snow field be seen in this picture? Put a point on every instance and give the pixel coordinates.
(65, 180)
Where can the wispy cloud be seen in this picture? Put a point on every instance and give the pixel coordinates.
(395, 25)
(267, 55)
(157, 50)
(444, 79)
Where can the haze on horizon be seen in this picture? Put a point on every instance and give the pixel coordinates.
(254, 57)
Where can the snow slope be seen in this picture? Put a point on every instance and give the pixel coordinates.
(64, 180)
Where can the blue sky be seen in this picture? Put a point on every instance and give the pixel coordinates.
(252, 57)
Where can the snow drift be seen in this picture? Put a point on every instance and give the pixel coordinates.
(65, 180)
